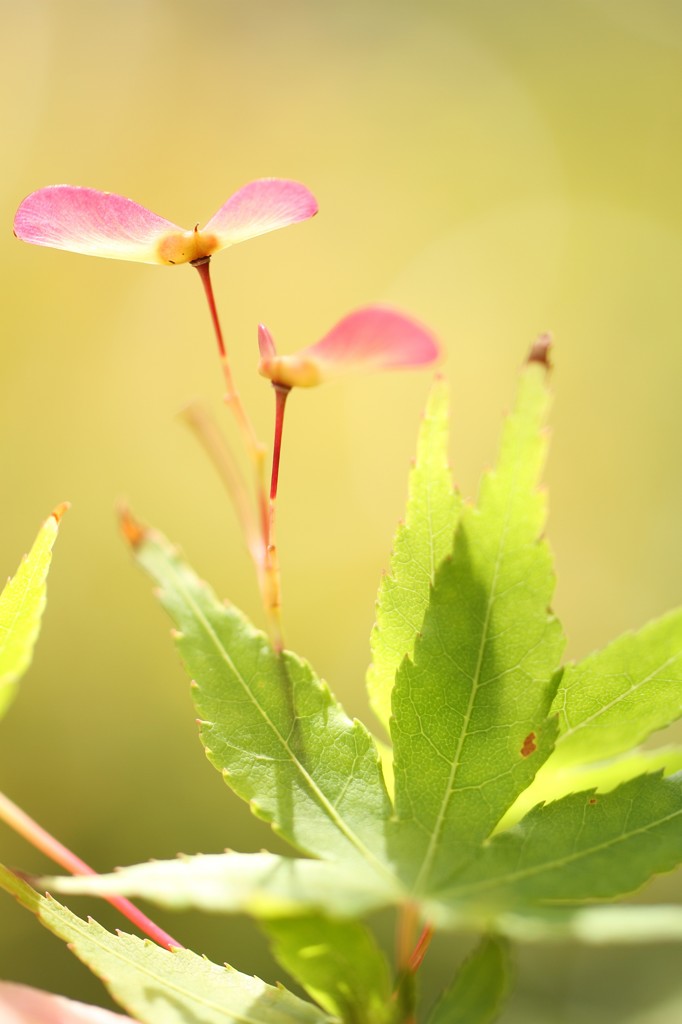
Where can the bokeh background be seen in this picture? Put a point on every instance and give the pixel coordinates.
(497, 168)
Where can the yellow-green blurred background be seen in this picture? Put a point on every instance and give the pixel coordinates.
(496, 167)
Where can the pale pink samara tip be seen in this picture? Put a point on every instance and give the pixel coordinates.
(370, 339)
(20, 1004)
(96, 223)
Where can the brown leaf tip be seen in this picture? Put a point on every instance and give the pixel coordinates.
(133, 531)
(539, 352)
(529, 745)
(59, 511)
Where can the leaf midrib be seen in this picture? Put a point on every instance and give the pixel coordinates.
(326, 804)
(476, 680)
(82, 929)
(65, 925)
(559, 862)
(575, 729)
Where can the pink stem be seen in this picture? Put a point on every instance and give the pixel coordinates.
(52, 848)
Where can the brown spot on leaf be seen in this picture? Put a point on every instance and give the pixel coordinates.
(529, 745)
(592, 800)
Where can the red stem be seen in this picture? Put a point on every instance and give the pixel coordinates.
(205, 275)
(38, 837)
(281, 395)
(419, 951)
(232, 397)
(254, 448)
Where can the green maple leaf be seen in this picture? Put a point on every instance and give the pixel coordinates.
(22, 604)
(157, 985)
(422, 542)
(580, 848)
(471, 719)
(271, 727)
(617, 697)
(479, 988)
(338, 963)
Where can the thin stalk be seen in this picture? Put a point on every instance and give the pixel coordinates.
(214, 444)
(256, 451)
(255, 448)
(272, 589)
(404, 993)
(420, 950)
(405, 937)
(30, 830)
(273, 576)
(281, 395)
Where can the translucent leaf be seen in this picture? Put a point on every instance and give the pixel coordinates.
(262, 884)
(420, 545)
(270, 726)
(22, 603)
(552, 783)
(157, 986)
(20, 1004)
(470, 725)
(478, 990)
(584, 847)
(338, 963)
(620, 925)
(614, 699)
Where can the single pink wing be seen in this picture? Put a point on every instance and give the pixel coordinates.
(91, 222)
(261, 206)
(20, 1004)
(266, 343)
(373, 338)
